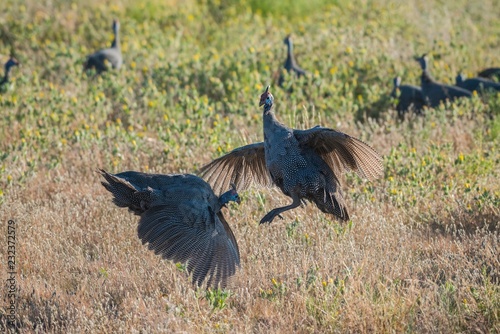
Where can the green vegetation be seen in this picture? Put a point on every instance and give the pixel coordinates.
(421, 252)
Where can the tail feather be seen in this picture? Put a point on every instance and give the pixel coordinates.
(331, 200)
(125, 194)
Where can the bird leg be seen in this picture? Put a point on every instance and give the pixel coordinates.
(278, 211)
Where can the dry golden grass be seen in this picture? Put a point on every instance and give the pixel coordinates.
(421, 254)
(81, 266)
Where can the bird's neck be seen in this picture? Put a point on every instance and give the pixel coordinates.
(270, 121)
(116, 41)
(223, 200)
(6, 75)
(222, 203)
(394, 92)
(290, 60)
(426, 77)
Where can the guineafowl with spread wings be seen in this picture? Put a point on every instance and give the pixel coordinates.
(181, 220)
(304, 164)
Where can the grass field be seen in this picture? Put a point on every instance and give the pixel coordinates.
(421, 253)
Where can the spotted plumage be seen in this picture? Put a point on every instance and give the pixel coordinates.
(304, 164)
(100, 59)
(434, 92)
(181, 220)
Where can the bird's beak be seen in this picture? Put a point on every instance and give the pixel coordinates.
(238, 200)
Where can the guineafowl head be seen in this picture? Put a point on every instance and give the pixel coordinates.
(287, 39)
(397, 82)
(230, 195)
(10, 63)
(422, 61)
(396, 91)
(266, 99)
(460, 78)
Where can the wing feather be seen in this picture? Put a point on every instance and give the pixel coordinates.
(342, 152)
(204, 245)
(242, 166)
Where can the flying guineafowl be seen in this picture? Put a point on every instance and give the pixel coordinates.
(304, 164)
(476, 84)
(290, 65)
(434, 92)
(409, 97)
(181, 220)
(490, 73)
(112, 55)
(8, 65)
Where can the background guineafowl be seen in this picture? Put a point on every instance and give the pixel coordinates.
(304, 164)
(112, 55)
(290, 65)
(476, 84)
(409, 97)
(434, 92)
(181, 220)
(490, 73)
(8, 65)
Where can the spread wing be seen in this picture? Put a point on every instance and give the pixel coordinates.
(342, 152)
(194, 236)
(242, 166)
(180, 220)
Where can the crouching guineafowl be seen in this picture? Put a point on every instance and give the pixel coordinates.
(434, 92)
(8, 65)
(476, 84)
(409, 97)
(113, 55)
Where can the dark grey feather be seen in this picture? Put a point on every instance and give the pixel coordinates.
(476, 84)
(181, 221)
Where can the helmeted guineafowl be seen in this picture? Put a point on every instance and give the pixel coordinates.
(304, 164)
(490, 73)
(181, 220)
(409, 97)
(112, 55)
(476, 84)
(290, 65)
(8, 65)
(434, 92)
